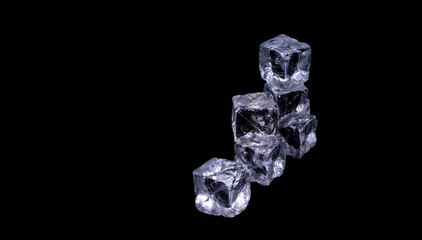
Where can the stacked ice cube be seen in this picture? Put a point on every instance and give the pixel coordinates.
(284, 64)
(267, 126)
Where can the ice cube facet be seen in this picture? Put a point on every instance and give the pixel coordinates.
(284, 61)
(222, 187)
(254, 118)
(293, 104)
(300, 135)
(266, 161)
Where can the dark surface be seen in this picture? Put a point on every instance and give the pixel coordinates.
(338, 179)
(330, 181)
(167, 99)
(192, 123)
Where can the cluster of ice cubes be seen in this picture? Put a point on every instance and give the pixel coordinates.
(266, 125)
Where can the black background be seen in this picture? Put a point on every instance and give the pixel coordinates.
(332, 183)
(323, 183)
(167, 101)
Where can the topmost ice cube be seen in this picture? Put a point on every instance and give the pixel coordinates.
(284, 62)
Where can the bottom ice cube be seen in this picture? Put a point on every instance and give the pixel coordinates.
(222, 187)
(300, 136)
